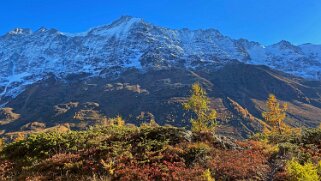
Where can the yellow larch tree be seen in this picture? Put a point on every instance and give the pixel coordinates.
(198, 103)
(275, 114)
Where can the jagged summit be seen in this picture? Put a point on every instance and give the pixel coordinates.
(20, 31)
(131, 42)
(126, 19)
(117, 28)
(283, 44)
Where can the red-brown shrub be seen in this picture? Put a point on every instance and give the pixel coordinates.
(158, 171)
(239, 164)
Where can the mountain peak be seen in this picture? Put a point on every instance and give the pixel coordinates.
(42, 29)
(127, 18)
(20, 31)
(284, 44)
(125, 21)
(120, 26)
(46, 30)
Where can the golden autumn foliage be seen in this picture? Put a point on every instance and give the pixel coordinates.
(108, 166)
(20, 136)
(299, 172)
(152, 123)
(275, 114)
(1, 143)
(119, 121)
(207, 175)
(198, 103)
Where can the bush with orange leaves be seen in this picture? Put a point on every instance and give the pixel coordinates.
(158, 171)
(240, 164)
(5, 168)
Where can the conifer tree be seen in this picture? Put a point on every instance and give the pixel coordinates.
(198, 103)
(275, 114)
(119, 121)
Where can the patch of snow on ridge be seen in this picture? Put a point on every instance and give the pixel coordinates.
(134, 62)
(14, 84)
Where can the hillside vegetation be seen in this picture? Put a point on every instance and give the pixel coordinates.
(237, 92)
(114, 150)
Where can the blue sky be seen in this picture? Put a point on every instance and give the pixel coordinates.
(265, 21)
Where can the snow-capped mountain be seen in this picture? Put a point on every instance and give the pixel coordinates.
(27, 57)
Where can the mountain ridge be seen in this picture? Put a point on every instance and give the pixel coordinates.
(131, 67)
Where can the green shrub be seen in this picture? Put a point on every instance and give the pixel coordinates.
(276, 138)
(44, 145)
(196, 151)
(311, 136)
(259, 137)
(293, 151)
(288, 149)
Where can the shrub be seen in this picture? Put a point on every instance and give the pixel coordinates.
(239, 165)
(294, 151)
(311, 136)
(45, 144)
(157, 153)
(60, 163)
(152, 123)
(286, 137)
(5, 168)
(262, 147)
(298, 172)
(207, 176)
(158, 171)
(288, 149)
(196, 151)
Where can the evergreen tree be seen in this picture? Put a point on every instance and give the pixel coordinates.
(198, 103)
(119, 121)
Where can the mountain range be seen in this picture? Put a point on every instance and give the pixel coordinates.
(136, 69)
